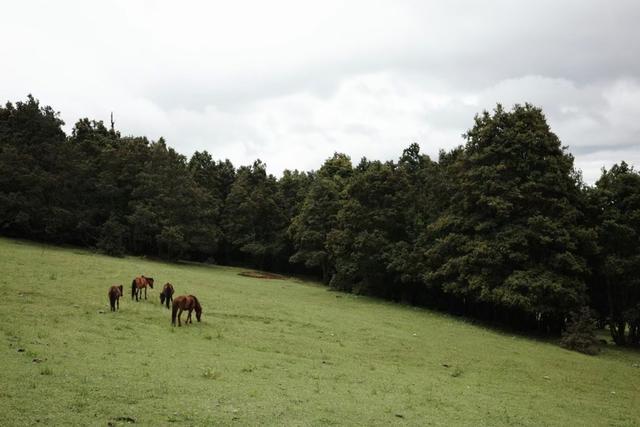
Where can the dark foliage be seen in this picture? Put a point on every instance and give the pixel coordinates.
(580, 334)
(615, 206)
(508, 243)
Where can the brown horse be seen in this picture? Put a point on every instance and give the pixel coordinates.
(138, 284)
(185, 302)
(167, 294)
(115, 292)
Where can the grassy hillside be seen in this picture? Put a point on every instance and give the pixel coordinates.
(272, 352)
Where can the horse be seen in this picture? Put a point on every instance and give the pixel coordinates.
(167, 294)
(185, 302)
(115, 292)
(138, 284)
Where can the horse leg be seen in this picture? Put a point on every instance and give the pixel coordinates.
(189, 316)
(145, 293)
(179, 314)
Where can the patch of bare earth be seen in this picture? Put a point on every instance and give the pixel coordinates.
(261, 275)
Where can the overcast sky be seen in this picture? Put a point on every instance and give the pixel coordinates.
(290, 82)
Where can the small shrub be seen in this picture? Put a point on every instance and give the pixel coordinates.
(580, 334)
(46, 371)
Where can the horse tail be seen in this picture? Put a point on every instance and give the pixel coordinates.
(174, 311)
(133, 288)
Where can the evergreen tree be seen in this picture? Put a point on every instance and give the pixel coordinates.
(371, 221)
(32, 158)
(253, 217)
(617, 197)
(507, 246)
(318, 215)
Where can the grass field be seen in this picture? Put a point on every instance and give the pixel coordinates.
(276, 352)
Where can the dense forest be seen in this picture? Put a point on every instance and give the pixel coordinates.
(500, 229)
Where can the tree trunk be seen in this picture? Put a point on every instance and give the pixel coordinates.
(634, 333)
(617, 331)
(616, 326)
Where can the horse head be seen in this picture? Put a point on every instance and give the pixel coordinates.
(197, 307)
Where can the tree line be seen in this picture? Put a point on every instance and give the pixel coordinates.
(501, 228)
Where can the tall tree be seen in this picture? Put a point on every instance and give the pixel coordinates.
(253, 217)
(318, 216)
(617, 198)
(171, 214)
(371, 221)
(32, 158)
(293, 187)
(508, 244)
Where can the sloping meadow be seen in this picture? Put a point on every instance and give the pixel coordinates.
(272, 351)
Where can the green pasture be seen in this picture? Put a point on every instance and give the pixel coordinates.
(273, 352)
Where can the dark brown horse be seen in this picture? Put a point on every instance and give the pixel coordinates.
(115, 292)
(185, 302)
(138, 284)
(167, 294)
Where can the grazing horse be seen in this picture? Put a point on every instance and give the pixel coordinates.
(167, 294)
(115, 292)
(185, 302)
(138, 284)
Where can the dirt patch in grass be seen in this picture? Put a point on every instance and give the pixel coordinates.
(261, 275)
